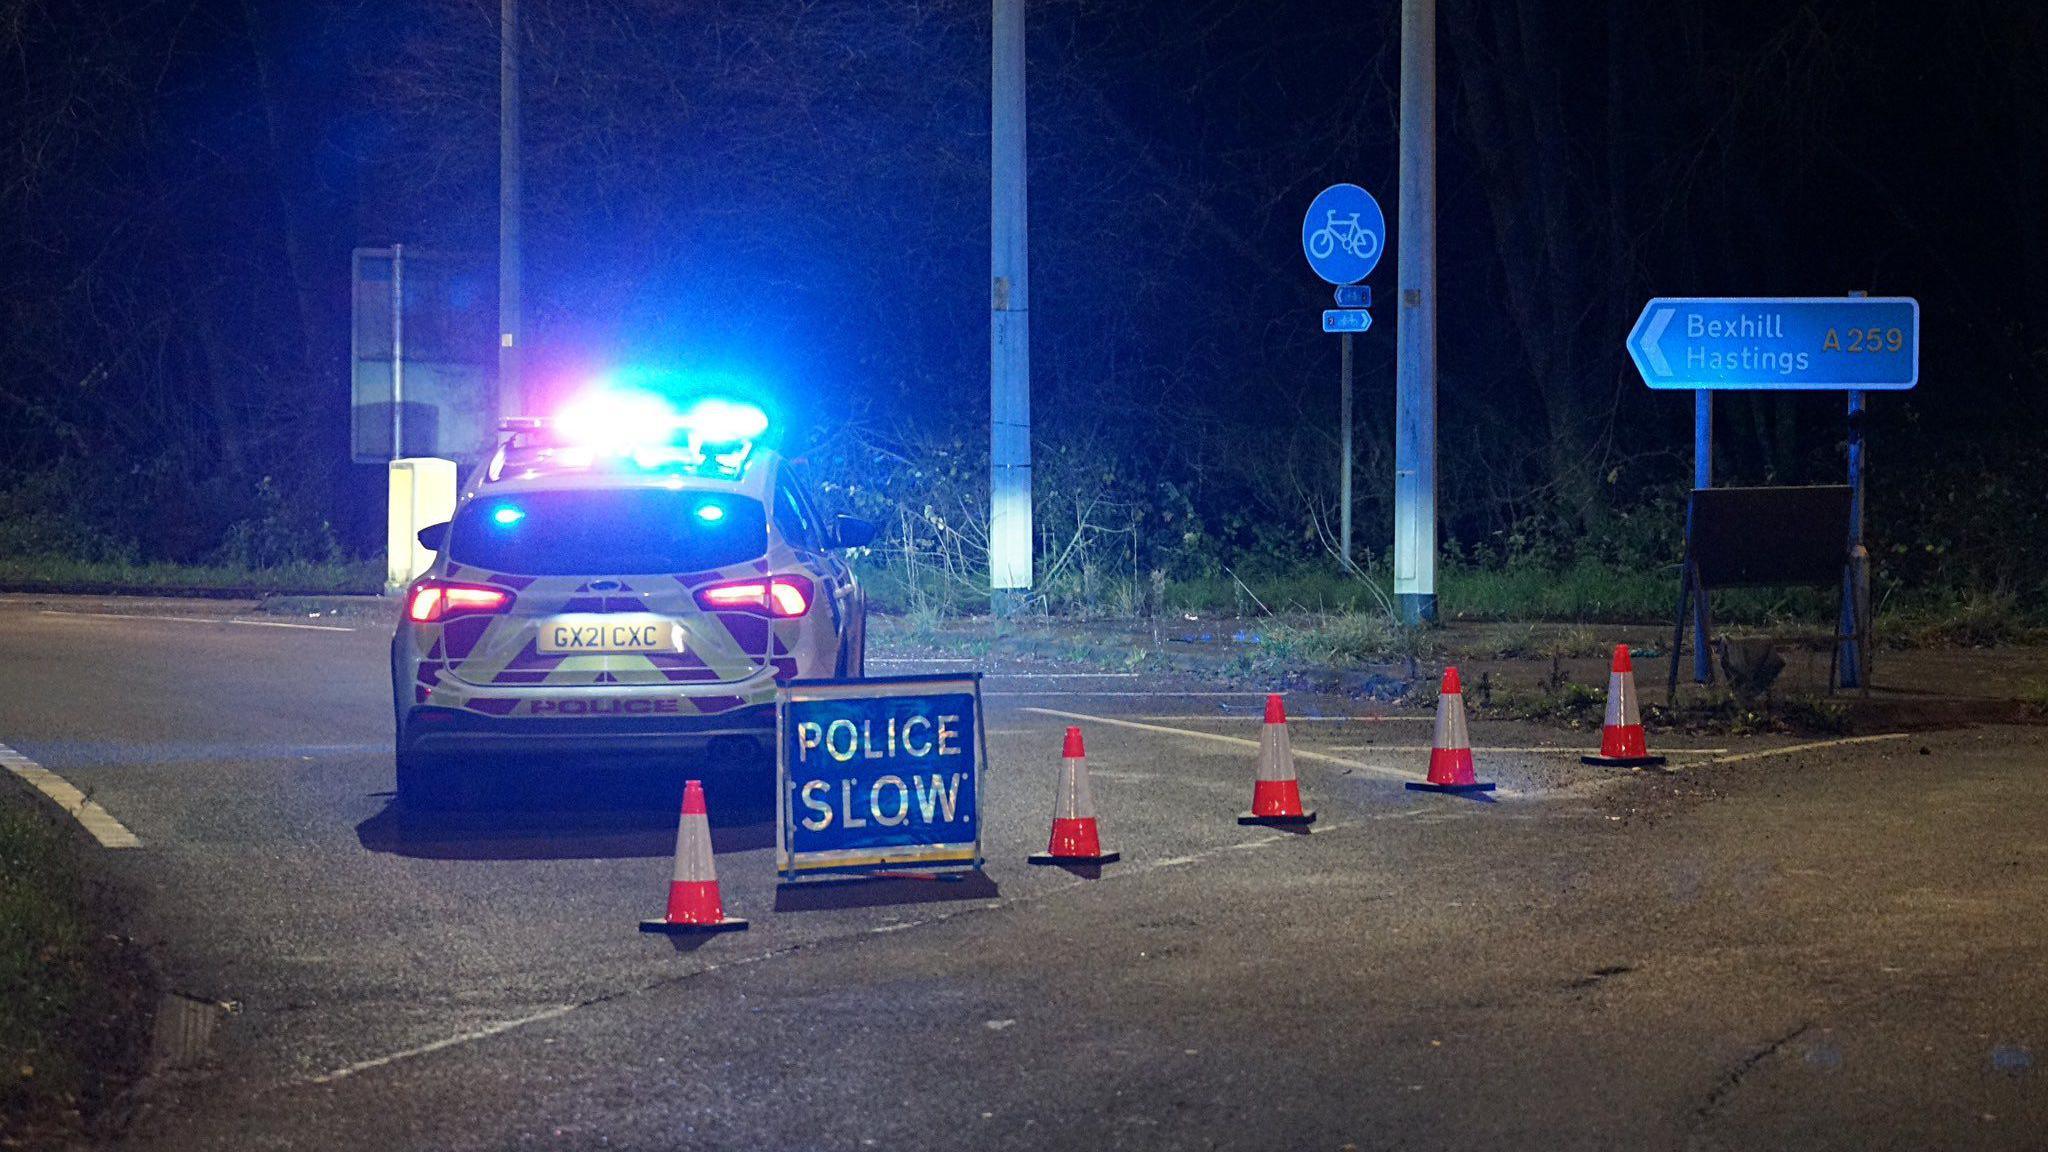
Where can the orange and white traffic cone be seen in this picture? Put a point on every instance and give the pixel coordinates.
(1276, 795)
(1074, 836)
(693, 901)
(1622, 743)
(1450, 753)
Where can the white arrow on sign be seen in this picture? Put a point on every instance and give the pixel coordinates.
(1658, 323)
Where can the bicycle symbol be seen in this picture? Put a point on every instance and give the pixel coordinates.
(1348, 234)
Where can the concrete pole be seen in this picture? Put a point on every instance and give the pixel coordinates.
(1415, 338)
(511, 399)
(1009, 530)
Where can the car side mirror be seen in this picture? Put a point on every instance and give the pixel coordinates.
(434, 537)
(851, 532)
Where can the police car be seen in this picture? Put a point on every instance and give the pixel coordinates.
(630, 577)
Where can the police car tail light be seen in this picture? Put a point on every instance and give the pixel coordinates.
(780, 596)
(433, 601)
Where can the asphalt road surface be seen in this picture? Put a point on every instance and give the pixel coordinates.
(1778, 945)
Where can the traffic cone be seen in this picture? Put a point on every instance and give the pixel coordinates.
(1622, 744)
(1450, 753)
(1074, 837)
(693, 901)
(1276, 795)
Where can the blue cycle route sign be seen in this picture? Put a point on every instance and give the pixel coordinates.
(1772, 343)
(879, 773)
(1343, 234)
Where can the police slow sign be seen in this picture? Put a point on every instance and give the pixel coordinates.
(877, 774)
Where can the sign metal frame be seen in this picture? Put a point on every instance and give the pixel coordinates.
(965, 855)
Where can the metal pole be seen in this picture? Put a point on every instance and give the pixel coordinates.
(1344, 484)
(1702, 477)
(511, 399)
(1415, 344)
(1009, 532)
(397, 351)
(1856, 578)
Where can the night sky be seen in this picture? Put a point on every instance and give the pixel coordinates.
(796, 196)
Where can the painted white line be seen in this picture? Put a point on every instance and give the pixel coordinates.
(1163, 693)
(111, 833)
(196, 620)
(1059, 675)
(484, 1032)
(1235, 741)
(1532, 749)
(1210, 717)
(1814, 746)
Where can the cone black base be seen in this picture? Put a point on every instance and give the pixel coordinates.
(1301, 821)
(1459, 789)
(1621, 761)
(729, 924)
(1049, 858)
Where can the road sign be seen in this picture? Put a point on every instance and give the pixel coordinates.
(878, 774)
(1346, 320)
(421, 352)
(1343, 233)
(1779, 343)
(1354, 295)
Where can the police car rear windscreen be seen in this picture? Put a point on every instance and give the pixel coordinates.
(608, 532)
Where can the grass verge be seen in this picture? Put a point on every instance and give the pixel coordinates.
(74, 993)
(59, 574)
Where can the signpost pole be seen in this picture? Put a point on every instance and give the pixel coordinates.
(1702, 477)
(1415, 340)
(397, 351)
(1344, 485)
(1856, 576)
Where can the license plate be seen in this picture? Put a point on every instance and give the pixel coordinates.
(610, 632)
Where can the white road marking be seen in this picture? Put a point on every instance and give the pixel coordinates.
(111, 833)
(1059, 675)
(1236, 741)
(1241, 718)
(1550, 749)
(197, 620)
(484, 1032)
(1092, 692)
(1813, 746)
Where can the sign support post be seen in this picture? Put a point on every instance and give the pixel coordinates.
(1344, 485)
(1702, 477)
(1856, 593)
(1343, 236)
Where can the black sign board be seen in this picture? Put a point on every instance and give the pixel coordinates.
(1785, 537)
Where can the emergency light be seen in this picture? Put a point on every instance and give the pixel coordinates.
(712, 433)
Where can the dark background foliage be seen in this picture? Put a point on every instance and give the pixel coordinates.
(794, 192)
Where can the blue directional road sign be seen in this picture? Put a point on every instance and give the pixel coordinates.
(1346, 320)
(1354, 295)
(1779, 343)
(877, 774)
(1343, 233)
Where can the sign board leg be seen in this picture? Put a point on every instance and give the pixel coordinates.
(1855, 626)
(1344, 483)
(1702, 477)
